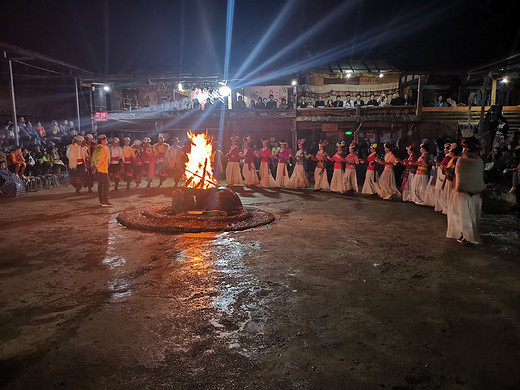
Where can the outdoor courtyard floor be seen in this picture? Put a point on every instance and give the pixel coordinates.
(339, 292)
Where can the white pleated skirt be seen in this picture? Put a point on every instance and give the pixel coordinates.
(337, 182)
(464, 217)
(266, 179)
(350, 180)
(387, 186)
(407, 188)
(250, 176)
(446, 194)
(418, 189)
(298, 178)
(233, 175)
(321, 181)
(282, 176)
(370, 186)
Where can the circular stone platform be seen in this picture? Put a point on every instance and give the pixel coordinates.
(160, 219)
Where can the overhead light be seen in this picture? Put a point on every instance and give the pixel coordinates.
(179, 86)
(293, 83)
(106, 88)
(505, 80)
(349, 75)
(224, 90)
(381, 75)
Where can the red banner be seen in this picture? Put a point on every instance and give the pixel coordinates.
(100, 116)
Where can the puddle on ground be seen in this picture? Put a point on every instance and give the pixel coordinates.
(119, 286)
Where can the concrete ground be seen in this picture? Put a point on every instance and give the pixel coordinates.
(340, 292)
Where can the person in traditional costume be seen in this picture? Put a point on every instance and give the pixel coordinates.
(176, 161)
(233, 176)
(387, 186)
(161, 150)
(265, 154)
(128, 159)
(321, 181)
(77, 155)
(137, 163)
(370, 187)
(283, 157)
(449, 171)
(409, 173)
(299, 178)
(466, 204)
(420, 181)
(248, 169)
(350, 175)
(148, 160)
(337, 183)
(441, 177)
(116, 158)
(90, 175)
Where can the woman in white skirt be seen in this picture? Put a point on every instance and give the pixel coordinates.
(409, 163)
(321, 181)
(449, 171)
(299, 178)
(233, 176)
(464, 214)
(337, 183)
(249, 169)
(283, 156)
(386, 182)
(265, 154)
(441, 178)
(370, 187)
(350, 176)
(420, 181)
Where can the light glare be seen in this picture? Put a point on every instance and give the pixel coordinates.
(224, 90)
(106, 88)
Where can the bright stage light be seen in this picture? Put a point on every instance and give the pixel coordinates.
(505, 80)
(106, 88)
(224, 90)
(294, 83)
(179, 87)
(380, 75)
(349, 75)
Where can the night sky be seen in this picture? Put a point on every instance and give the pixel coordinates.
(127, 36)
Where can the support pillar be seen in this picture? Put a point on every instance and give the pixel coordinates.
(13, 101)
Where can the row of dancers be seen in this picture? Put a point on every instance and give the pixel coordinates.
(426, 181)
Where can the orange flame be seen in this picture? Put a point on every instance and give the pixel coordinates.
(199, 168)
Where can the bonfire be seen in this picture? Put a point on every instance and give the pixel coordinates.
(199, 168)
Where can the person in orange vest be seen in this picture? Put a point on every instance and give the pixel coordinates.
(161, 151)
(100, 160)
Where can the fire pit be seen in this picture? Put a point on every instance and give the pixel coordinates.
(200, 205)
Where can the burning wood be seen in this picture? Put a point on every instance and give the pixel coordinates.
(199, 174)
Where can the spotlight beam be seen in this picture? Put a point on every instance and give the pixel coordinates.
(267, 37)
(229, 34)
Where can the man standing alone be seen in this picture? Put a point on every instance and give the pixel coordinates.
(100, 159)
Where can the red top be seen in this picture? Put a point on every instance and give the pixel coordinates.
(234, 154)
(249, 156)
(352, 159)
(338, 160)
(265, 154)
(283, 155)
(371, 159)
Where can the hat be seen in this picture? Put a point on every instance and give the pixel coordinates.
(411, 147)
(146, 139)
(175, 139)
(453, 146)
(79, 138)
(374, 145)
(324, 143)
(126, 139)
(101, 137)
(342, 144)
(89, 136)
(264, 139)
(137, 142)
(471, 143)
(235, 138)
(301, 141)
(115, 140)
(283, 142)
(447, 146)
(246, 139)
